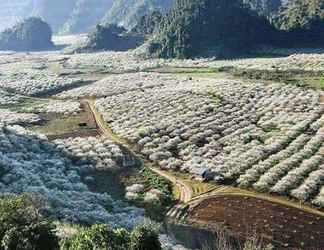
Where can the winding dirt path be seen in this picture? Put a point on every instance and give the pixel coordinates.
(184, 190)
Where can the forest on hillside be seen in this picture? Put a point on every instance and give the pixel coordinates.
(186, 28)
(232, 26)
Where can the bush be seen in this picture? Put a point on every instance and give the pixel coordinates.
(98, 237)
(22, 227)
(145, 237)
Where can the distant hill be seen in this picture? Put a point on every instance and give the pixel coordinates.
(30, 35)
(194, 26)
(227, 28)
(64, 16)
(79, 16)
(128, 12)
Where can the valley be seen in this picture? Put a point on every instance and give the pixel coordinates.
(221, 141)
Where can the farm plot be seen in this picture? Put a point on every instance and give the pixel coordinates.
(121, 62)
(64, 119)
(286, 227)
(116, 62)
(36, 82)
(31, 164)
(65, 108)
(121, 83)
(7, 98)
(13, 118)
(296, 62)
(268, 137)
(101, 152)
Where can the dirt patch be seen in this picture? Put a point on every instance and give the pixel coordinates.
(283, 226)
(58, 126)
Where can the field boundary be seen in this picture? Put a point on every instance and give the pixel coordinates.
(185, 190)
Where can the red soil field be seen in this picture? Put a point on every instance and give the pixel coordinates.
(283, 226)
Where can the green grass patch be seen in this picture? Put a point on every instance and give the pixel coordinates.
(155, 181)
(198, 187)
(150, 180)
(317, 83)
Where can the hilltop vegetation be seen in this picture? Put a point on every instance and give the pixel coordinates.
(193, 26)
(229, 28)
(110, 37)
(267, 8)
(31, 34)
(302, 15)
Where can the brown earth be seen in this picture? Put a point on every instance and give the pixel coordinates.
(58, 126)
(283, 226)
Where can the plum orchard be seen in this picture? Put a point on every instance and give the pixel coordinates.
(269, 137)
(121, 83)
(129, 61)
(305, 62)
(100, 151)
(31, 164)
(58, 107)
(13, 118)
(35, 83)
(7, 98)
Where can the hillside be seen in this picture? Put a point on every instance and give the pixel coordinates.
(73, 16)
(128, 12)
(230, 28)
(302, 14)
(31, 34)
(265, 7)
(194, 26)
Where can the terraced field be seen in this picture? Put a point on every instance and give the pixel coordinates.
(204, 131)
(283, 226)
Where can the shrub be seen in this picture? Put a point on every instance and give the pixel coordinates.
(22, 227)
(98, 237)
(145, 237)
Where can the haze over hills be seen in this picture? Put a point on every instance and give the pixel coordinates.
(11, 11)
(78, 16)
(128, 12)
